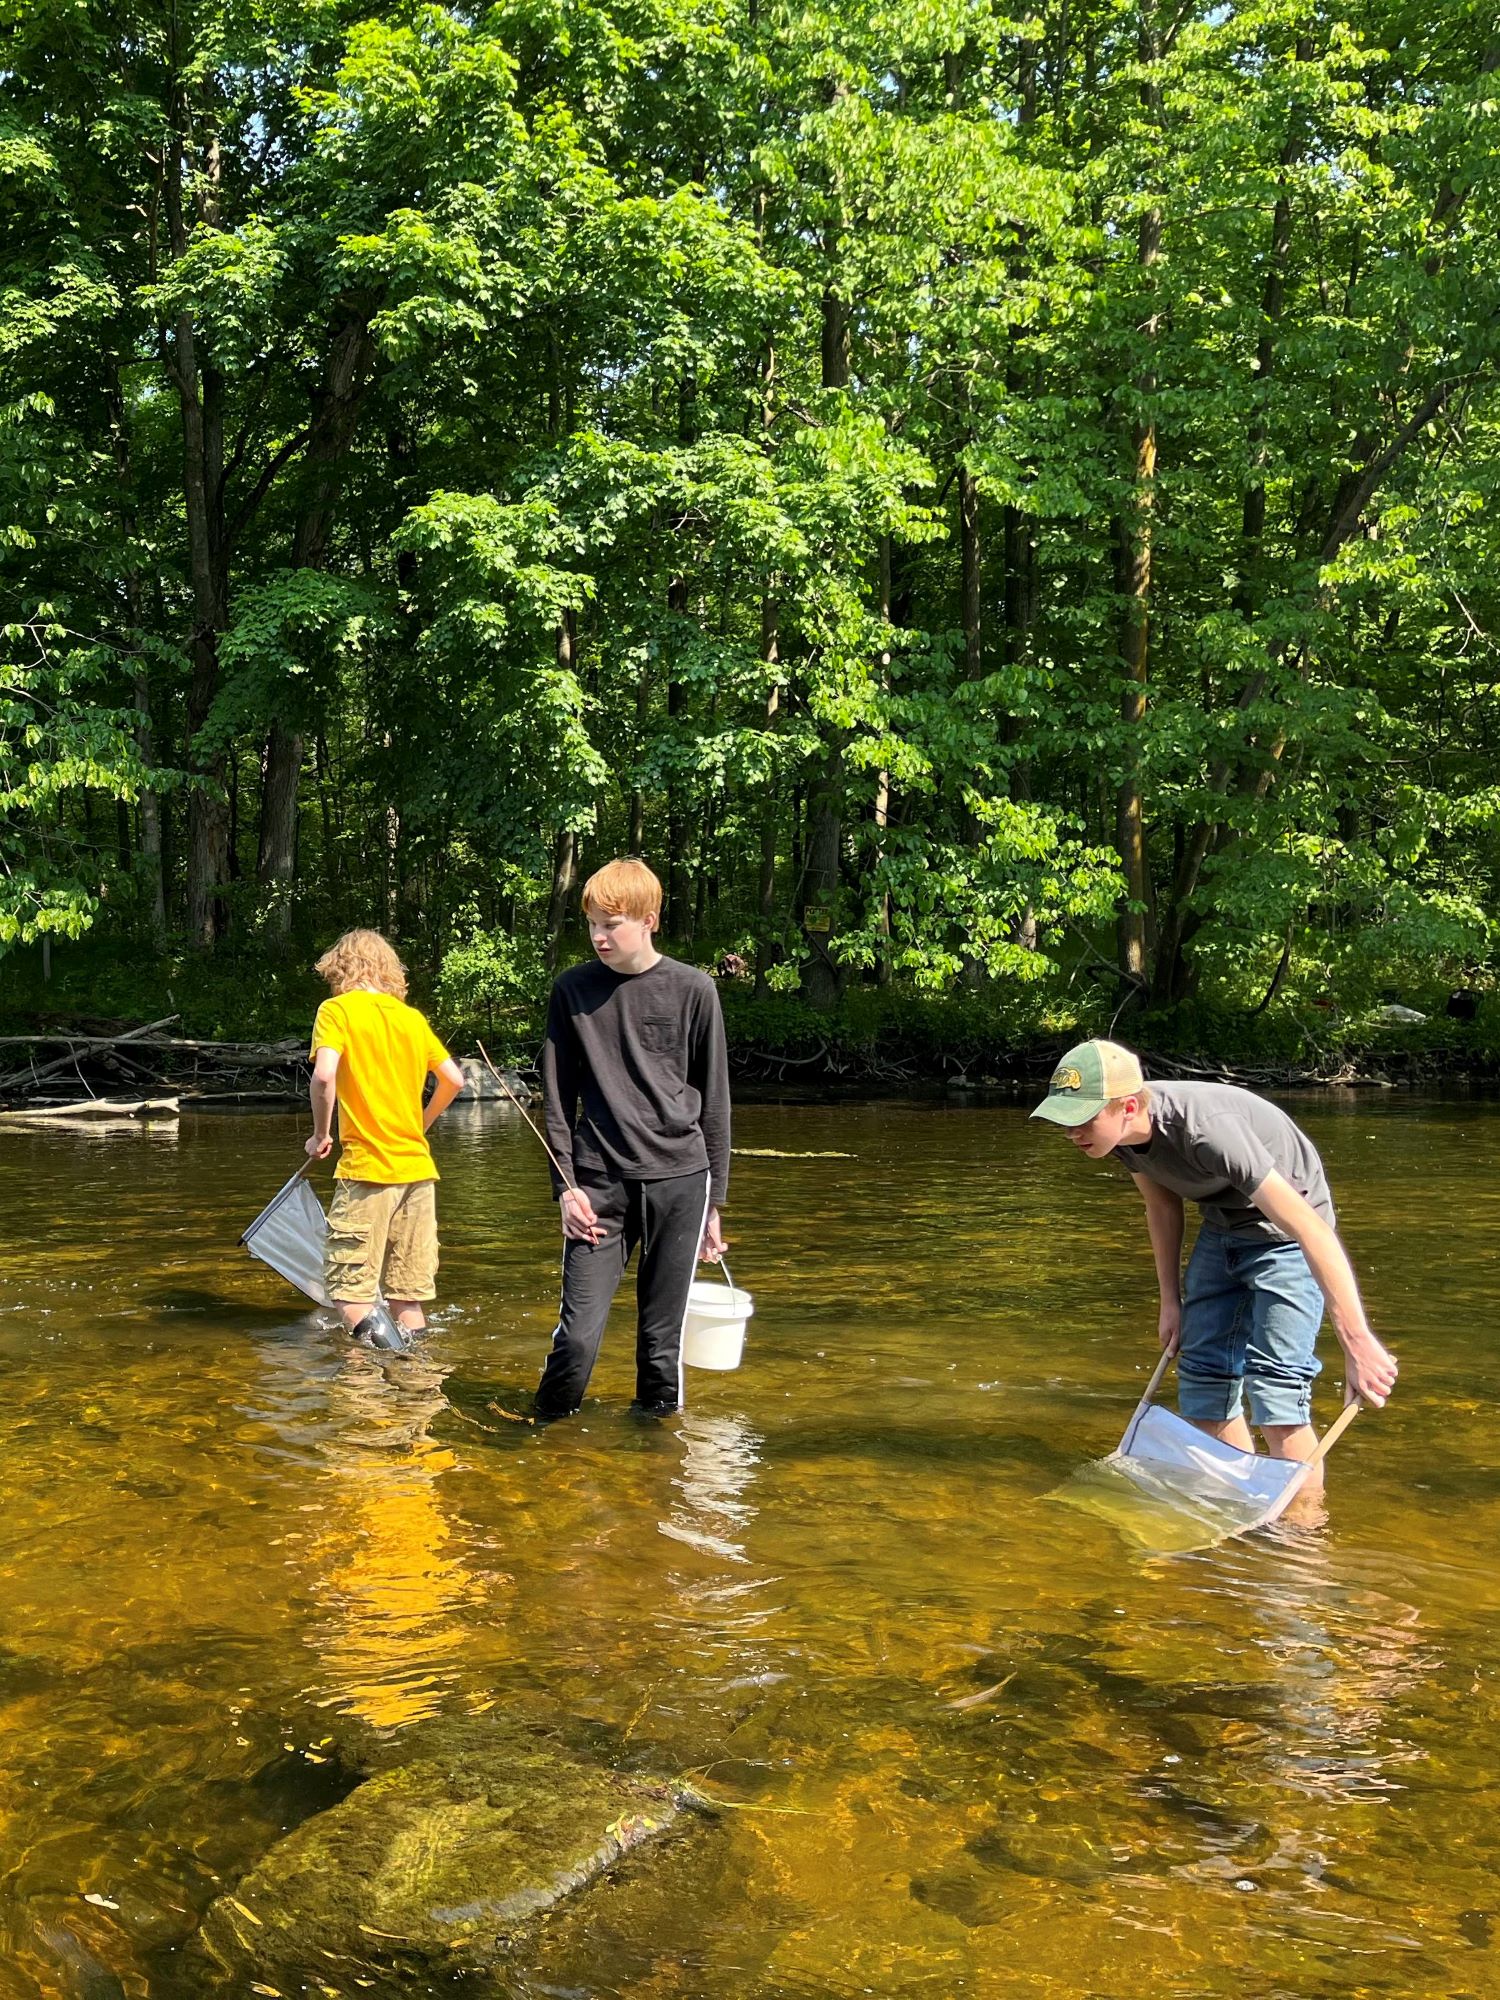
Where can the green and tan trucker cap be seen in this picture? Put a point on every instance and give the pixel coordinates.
(1085, 1081)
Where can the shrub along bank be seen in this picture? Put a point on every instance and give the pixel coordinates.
(876, 1038)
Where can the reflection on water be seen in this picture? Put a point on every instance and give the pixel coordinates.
(388, 1583)
(966, 1741)
(719, 1457)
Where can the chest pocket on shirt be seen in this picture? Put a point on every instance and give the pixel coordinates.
(661, 1036)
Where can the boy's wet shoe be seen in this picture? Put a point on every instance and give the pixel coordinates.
(539, 1415)
(378, 1330)
(656, 1409)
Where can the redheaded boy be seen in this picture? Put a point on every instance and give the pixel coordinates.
(636, 1086)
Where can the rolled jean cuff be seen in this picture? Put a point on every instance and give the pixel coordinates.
(1216, 1399)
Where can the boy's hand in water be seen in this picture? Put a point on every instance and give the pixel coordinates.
(1370, 1368)
(713, 1246)
(319, 1149)
(579, 1222)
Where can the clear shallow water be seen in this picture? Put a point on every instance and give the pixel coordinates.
(973, 1744)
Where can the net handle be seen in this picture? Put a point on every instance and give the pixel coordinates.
(1168, 1356)
(280, 1196)
(1352, 1407)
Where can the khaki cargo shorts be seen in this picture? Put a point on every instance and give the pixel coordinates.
(381, 1238)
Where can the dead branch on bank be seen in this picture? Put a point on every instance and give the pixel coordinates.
(148, 1062)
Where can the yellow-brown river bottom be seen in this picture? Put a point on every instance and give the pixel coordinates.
(969, 1740)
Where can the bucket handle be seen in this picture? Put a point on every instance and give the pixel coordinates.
(723, 1264)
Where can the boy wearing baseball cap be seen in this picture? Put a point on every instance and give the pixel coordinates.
(1267, 1257)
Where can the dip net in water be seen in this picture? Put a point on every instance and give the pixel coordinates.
(1172, 1487)
(288, 1234)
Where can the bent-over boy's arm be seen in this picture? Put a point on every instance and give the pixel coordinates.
(1371, 1369)
(1164, 1225)
(450, 1081)
(323, 1093)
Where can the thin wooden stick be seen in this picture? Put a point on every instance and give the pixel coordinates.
(1167, 1356)
(1335, 1430)
(562, 1171)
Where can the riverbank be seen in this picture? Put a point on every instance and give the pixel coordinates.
(880, 1042)
(245, 1012)
(932, 1048)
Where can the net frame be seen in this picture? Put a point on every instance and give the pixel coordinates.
(1234, 1491)
(288, 1236)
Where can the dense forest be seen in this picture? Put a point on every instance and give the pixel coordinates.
(986, 502)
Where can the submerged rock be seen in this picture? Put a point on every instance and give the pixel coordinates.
(441, 1861)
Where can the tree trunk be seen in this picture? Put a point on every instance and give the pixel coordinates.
(564, 864)
(637, 843)
(335, 414)
(1130, 837)
(1170, 973)
(706, 839)
(882, 809)
(822, 982)
(150, 799)
(565, 848)
(822, 977)
(1020, 588)
(971, 565)
(679, 806)
(765, 950)
(151, 828)
(199, 393)
(679, 879)
(884, 971)
(970, 579)
(278, 817)
(1135, 538)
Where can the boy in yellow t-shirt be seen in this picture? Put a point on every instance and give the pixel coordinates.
(371, 1055)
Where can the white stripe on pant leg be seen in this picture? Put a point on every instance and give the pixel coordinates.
(708, 1188)
(562, 1272)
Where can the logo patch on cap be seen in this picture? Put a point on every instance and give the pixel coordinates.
(1067, 1079)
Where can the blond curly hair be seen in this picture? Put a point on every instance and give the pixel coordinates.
(362, 958)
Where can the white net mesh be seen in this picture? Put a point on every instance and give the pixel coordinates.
(288, 1235)
(1171, 1487)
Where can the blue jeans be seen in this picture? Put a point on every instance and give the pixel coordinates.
(1251, 1311)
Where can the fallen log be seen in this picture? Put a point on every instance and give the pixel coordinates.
(31, 1074)
(92, 1111)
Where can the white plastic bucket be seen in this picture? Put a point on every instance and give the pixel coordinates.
(713, 1334)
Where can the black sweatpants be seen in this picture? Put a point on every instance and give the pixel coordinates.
(665, 1218)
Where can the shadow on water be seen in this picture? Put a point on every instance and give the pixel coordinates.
(908, 1443)
(964, 1741)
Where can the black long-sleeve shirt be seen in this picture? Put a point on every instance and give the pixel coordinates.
(643, 1054)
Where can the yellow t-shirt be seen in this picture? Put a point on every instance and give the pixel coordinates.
(385, 1051)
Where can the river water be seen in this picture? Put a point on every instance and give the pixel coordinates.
(969, 1741)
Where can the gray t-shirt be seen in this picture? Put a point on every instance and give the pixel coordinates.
(1214, 1144)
